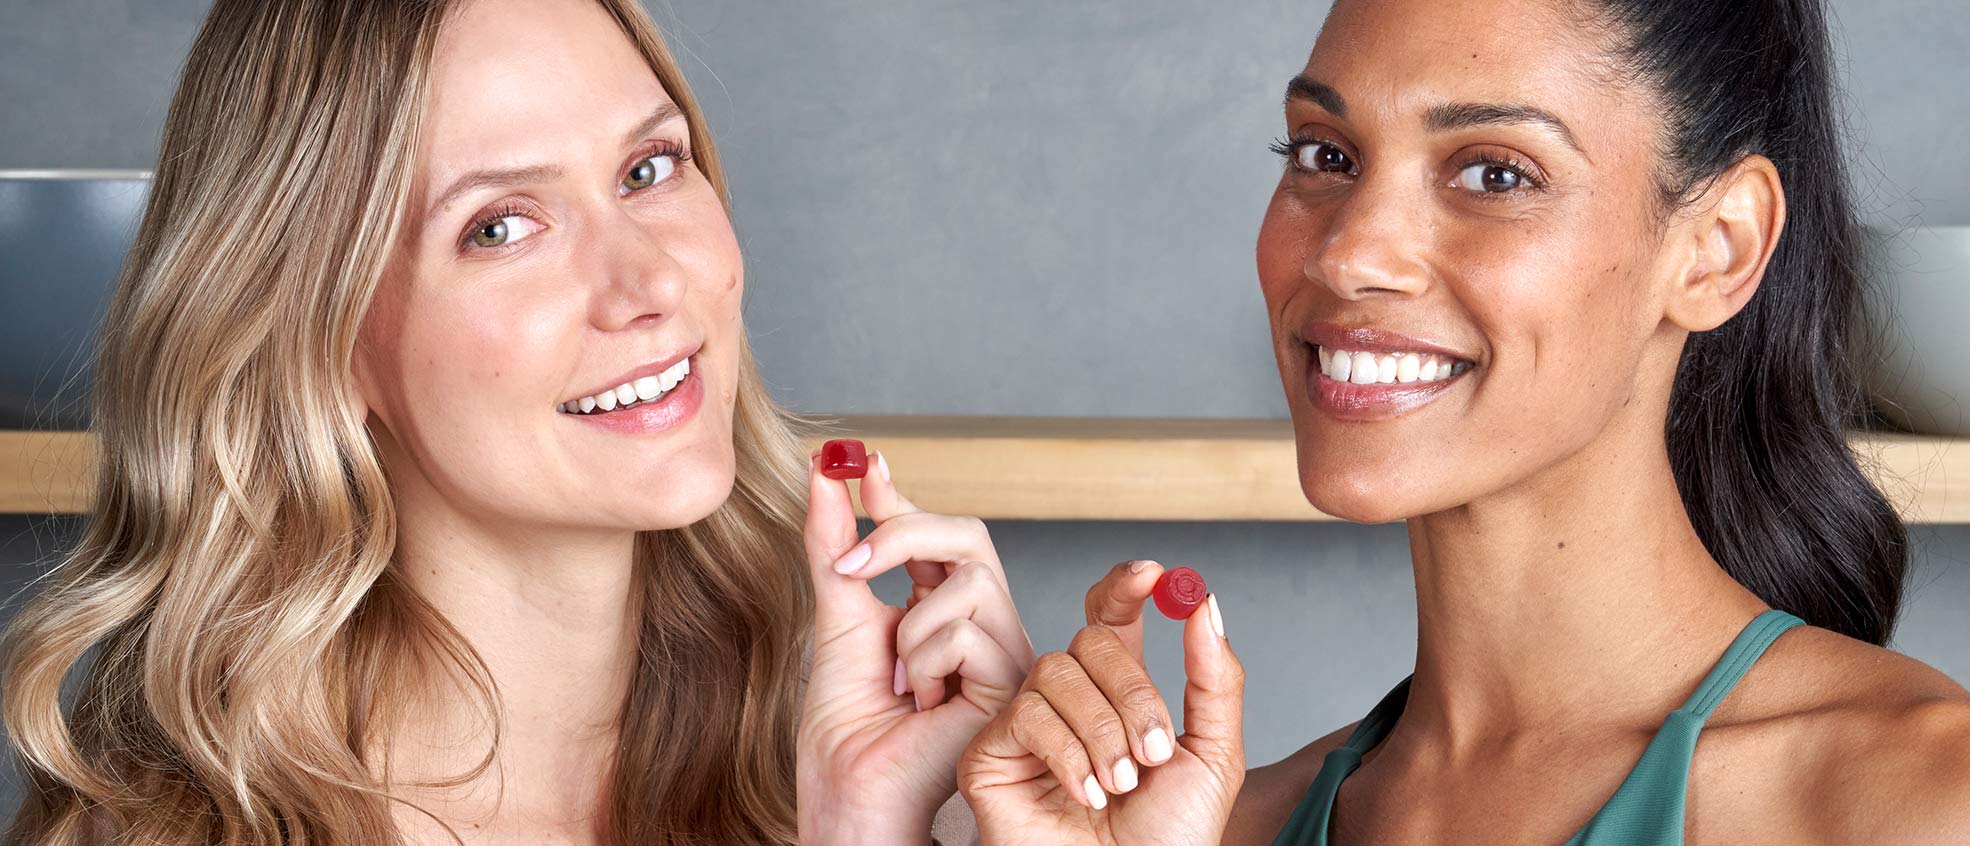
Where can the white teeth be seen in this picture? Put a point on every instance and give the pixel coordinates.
(643, 389)
(1366, 368)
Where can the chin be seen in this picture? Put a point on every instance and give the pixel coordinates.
(681, 493)
(1360, 489)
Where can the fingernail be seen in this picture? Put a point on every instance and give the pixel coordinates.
(1139, 565)
(902, 678)
(882, 466)
(1124, 775)
(1217, 620)
(1156, 744)
(857, 557)
(1092, 787)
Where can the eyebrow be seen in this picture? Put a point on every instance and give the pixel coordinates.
(1444, 118)
(500, 177)
(1452, 116)
(1303, 87)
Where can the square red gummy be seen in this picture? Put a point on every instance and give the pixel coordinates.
(844, 458)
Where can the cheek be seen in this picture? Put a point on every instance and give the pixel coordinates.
(1286, 238)
(473, 369)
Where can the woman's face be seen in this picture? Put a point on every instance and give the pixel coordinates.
(1460, 262)
(562, 256)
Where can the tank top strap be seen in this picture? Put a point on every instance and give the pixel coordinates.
(1313, 816)
(1745, 651)
(1649, 808)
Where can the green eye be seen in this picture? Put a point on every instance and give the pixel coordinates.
(490, 235)
(649, 172)
(501, 229)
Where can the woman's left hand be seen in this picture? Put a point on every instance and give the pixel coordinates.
(895, 694)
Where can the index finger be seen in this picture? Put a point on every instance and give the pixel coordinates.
(1116, 600)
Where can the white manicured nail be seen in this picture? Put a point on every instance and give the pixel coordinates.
(1156, 744)
(902, 677)
(882, 466)
(1217, 620)
(1096, 799)
(1124, 775)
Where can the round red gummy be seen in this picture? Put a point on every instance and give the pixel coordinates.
(1179, 592)
(844, 458)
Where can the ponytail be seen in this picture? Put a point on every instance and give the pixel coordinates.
(1761, 406)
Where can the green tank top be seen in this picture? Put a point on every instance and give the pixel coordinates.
(1647, 810)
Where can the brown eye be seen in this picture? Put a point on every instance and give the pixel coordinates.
(649, 172)
(1323, 158)
(1489, 178)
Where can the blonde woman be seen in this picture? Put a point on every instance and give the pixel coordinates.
(439, 500)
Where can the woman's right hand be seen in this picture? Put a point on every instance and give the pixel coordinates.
(1083, 753)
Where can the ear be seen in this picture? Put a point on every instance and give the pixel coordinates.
(1726, 245)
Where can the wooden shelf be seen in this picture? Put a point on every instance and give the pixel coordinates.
(1037, 468)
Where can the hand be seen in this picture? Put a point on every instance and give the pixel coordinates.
(895, 693)
(1082, 755)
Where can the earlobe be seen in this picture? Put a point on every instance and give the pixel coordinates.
(1731, 239)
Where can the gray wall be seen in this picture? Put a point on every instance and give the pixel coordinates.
(1011, 207)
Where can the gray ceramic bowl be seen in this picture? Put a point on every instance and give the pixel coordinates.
(1919, 375)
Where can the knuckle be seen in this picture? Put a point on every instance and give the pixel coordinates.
(962, 635)
(1107, 730)
(972, 574)
(1054, 667)
(1030, 708)
(1145, 704)
(1093, 641)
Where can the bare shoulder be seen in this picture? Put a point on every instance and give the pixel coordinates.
(1873, 746)
(1271, 792)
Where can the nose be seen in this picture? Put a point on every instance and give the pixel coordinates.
(1373, 245)
(642, 281)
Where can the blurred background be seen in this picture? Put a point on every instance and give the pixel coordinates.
(1008, 208)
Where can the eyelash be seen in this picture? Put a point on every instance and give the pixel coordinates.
(510, 208)
(1287, 147)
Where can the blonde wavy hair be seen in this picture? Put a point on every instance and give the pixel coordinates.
(242, 646)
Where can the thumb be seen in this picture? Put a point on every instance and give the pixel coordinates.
(839, 601)
(1213, 693)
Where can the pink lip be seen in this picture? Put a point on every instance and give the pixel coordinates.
(1335, 336)
(668, 412)
(1380, 401)
(653, 369)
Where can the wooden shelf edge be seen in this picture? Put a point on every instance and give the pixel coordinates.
(1030, 468)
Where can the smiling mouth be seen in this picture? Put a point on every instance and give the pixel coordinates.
(631, 394)
(1360, 367)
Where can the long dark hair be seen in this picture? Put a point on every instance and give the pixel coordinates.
(1761, 406)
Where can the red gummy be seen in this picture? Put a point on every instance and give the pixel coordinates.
(844, 458)
(1179, 592)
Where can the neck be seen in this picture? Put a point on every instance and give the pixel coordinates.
(1582, 591)
(553, 616)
